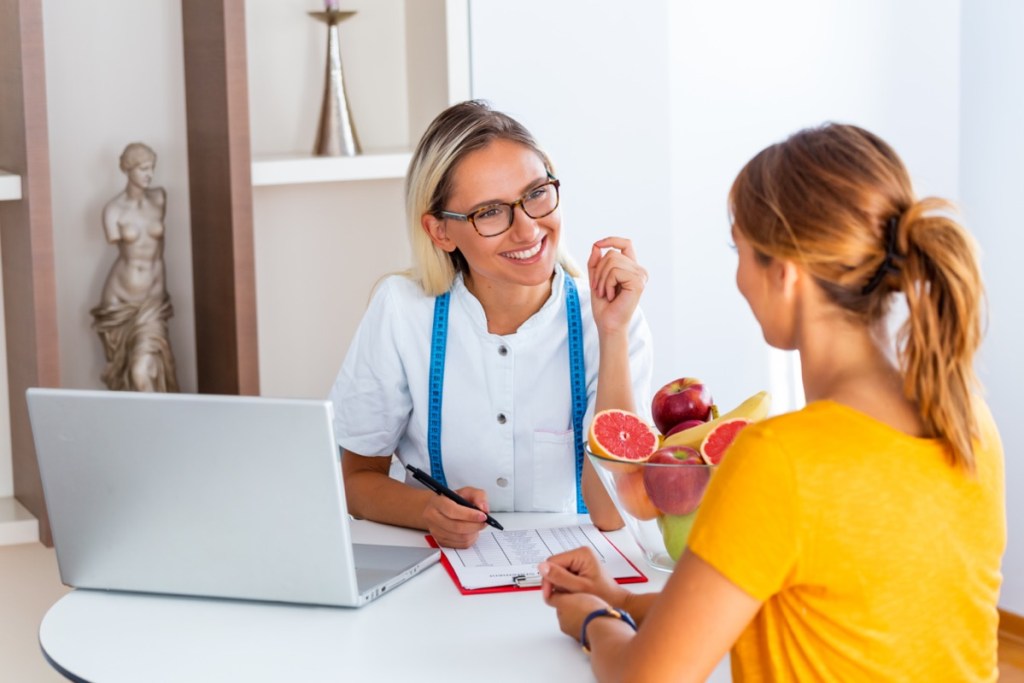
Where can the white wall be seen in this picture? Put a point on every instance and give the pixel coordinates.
(992, 145)
(747, 74)
(591, 81)
(650, 112)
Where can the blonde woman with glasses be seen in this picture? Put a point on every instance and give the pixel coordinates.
(482, 364)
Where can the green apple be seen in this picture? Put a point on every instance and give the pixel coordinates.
(675, 529)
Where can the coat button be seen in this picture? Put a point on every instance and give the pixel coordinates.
(502, 482)
(502, 350)
(502, 419)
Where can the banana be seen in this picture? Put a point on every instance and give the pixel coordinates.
(754, 408)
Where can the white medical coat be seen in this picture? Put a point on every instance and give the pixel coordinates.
(506, 415)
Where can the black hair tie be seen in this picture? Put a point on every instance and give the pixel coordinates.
(890, 264)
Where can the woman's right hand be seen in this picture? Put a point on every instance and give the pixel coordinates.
(372, 494)
(579, 571)
(453, 525)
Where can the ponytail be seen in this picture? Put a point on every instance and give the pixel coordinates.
(940, 278)
(839, 200)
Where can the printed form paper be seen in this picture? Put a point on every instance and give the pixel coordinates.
(499, 556)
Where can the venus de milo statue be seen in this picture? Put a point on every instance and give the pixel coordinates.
(133, 313)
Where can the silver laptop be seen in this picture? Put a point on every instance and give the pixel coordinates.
(221, 496)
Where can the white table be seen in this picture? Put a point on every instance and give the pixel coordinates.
(424, 631)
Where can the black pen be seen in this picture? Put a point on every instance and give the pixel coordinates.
(442, 490)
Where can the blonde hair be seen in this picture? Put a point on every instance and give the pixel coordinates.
(457, 131)
(824, 197)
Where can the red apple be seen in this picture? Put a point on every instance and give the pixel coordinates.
(675, 478)
(684, 425)
(681, 400)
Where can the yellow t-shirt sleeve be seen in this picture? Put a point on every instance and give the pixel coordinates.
(747, 524)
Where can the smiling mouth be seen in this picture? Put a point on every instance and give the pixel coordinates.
(526, 253)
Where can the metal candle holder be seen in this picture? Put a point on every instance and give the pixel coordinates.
(336, 135)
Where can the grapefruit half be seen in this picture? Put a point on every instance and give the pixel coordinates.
(712, 448)
(623, 436)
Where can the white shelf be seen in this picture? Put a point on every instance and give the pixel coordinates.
(294, 170)
(10, 186)
(17, 525)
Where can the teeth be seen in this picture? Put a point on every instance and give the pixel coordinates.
(520, 255)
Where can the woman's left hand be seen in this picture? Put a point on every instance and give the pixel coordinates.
(572, 609)
(616, 281)
(579, 571)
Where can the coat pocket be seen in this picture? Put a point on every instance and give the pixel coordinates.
(554, 471)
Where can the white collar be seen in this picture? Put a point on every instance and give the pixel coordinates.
(475, 310)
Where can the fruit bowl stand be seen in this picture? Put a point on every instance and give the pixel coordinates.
(657, 501)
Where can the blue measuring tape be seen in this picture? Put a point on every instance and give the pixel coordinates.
(438, 344)
(577, 381)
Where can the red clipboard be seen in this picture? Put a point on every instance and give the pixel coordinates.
(513, 588)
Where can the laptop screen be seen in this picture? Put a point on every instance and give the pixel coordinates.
(226, 496)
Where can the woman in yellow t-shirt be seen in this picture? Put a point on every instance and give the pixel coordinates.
(859, 538)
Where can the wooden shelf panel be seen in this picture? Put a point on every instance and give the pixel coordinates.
(290, 170)
(220, 196)
(10, 186)
(29, 281)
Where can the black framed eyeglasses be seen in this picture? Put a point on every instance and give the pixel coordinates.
(494, 219)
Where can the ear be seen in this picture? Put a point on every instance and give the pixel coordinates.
(788, 277)
(437, 231)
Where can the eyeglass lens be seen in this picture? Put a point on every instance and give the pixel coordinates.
(497, 218)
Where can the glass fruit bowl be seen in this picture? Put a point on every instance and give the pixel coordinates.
(658, 501)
